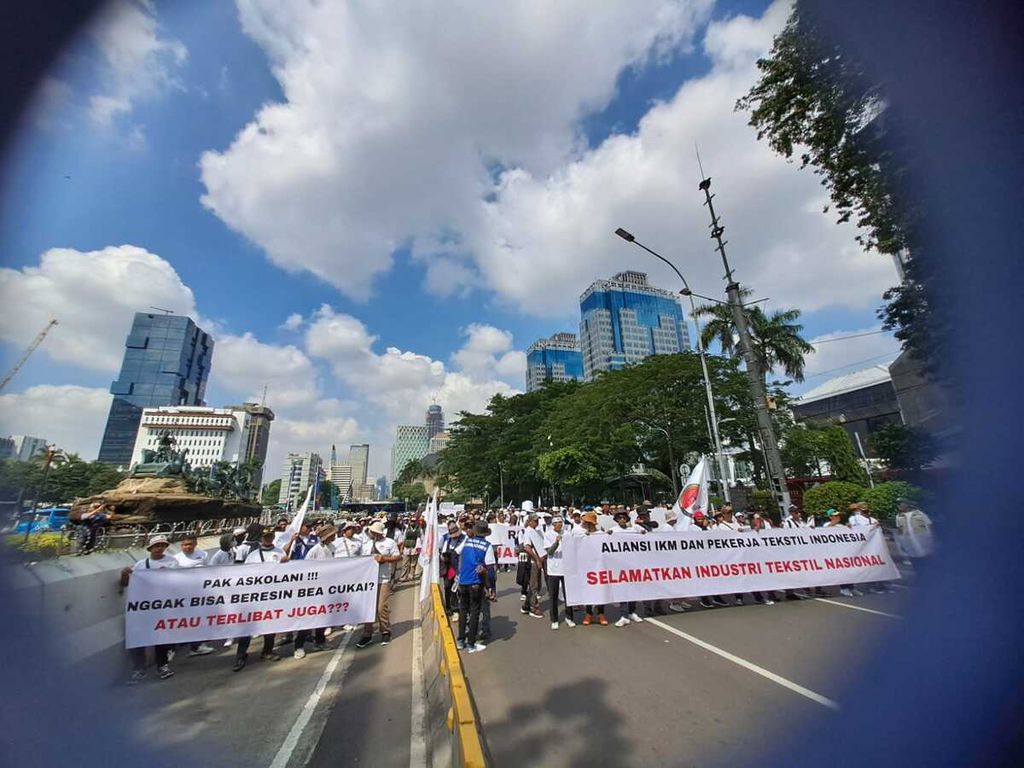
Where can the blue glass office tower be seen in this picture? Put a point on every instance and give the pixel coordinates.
(626, 319)
(555, 359)
(166, 362)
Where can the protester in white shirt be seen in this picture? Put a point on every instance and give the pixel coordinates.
(385, 551)
(266, 552)
(533, 545)
(914, 531)
(556, 571)
(226, 554)
(348, 544)
(192, 557)
(796, 521)
(322, 550)
(251, 542)
(624, 526)
(860, 517)
(156, 560)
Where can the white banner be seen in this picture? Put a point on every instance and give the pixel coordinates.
(190, 605)
(504, 538)
(428, 552)
(608, 569)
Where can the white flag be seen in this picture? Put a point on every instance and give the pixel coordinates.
(282, 539)
(693, 497)
(428, 553)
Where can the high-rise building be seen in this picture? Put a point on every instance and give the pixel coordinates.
(411, 443)
(435, 420)
(166, 362)
(341, 476)
(237, 433)
(359, 458)
(382, 488)
(555, 359)
(439, 442)
(300, 471)
(626, 319)
(23, 447)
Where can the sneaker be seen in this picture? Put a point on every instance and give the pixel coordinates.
(476, 648)
(857, 593)
(364, 642)
(522, 598)
(300, 653)
(460, 644)
(634, 618)
(228, 642)
(707, 604)
(536, 614)
(137, 676)
(554, 625)
(385, 640)
(164, 672)
(170, 654)
(570, 623)
(602, 620)
(769, 601)
(455, 616)
(622, 622)
(239, 664)
(677, 607)
(328, 631)
(524, 609)
(269, 657)
(845, 592)
(720, 602)
(739, 600)
(588, 620)
(202, 650)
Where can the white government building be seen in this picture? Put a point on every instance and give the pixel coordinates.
(210, 434)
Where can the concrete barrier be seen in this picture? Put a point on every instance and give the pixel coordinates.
(82, 604)
(453, 731)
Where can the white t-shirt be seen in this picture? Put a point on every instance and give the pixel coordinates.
(242, 550)
(535, 538)
(861, 520)
(320, 551)
(220, 557)
(260, 555)
(789, 522)
(345, 547)
(554, 564)
(148, 563)
(388, 548)
(631, 528)
(195, 560)
(725, 525)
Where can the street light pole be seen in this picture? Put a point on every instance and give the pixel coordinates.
(703, 359)
(776, 474)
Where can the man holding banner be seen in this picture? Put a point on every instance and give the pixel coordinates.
(386, 553)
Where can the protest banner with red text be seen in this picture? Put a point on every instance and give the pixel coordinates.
(190, 605)
(607, 569)
(504, 538)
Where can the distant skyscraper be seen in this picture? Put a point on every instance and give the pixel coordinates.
(300, 471)
(411, 443)
(382, 488)
(439, 442)
(166, 362)
(626, 319)
(257, 439)
(435, 420)
(555, 359)
(359, 458)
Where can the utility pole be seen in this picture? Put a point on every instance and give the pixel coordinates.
(776, 474)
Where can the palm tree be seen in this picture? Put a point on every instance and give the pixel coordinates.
(776, 338)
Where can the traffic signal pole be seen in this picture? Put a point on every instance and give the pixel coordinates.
(755, 377)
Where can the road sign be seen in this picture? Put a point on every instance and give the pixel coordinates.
(684, 470)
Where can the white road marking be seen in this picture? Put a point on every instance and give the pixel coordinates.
(806, 692)
(857, 607)
(291, 741)
(417, 734)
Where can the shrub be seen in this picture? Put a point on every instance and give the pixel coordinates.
(40, 546)
(836, 494)
(883, 498)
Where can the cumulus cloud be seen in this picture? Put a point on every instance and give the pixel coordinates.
(293, 322)
(396, 115)
(487, 353)
(138, 63)
(93, 295)
(70, 416)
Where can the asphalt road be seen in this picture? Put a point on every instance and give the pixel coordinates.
(644, 695)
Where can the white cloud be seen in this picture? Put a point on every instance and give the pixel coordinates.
(395, 114)
(73, 417)
(850, 351)
(138, 64)
(93, 295)
(293, 322)
(487, 353)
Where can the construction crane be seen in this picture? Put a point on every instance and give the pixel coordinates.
(31, 348)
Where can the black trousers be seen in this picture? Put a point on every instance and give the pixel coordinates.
(160, 651)
(554, 584)
(243, 645)
(451, 599)
(470, 597)
(593, 609)
(302, 636)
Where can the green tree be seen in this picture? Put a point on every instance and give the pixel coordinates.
(815, 99)
(837, 495)
(802, 450)
(414, 492)
(271, 492)
(569, 468)
(838, 451)
(902, 447)
(884, 498)
(414, 470)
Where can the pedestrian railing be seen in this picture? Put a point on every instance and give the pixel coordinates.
(453, 729)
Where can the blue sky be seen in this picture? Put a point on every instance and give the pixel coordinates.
(456, 234)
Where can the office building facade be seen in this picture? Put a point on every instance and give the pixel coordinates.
(22, 447)
(625, 320)
(359, 459)
(411, 443)
(166, 362)
(555, 359)
(435, 420)
(300, 470)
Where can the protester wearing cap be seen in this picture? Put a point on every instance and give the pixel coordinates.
(348, 545)
(860, 517)
(449, 556)
(191, 556)
(154, 561)
(533, 545)
(556, 571)
(624, 526)
(588, 527)
(265, 552)
(475, 556)
(322, 550)
(385, 551)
